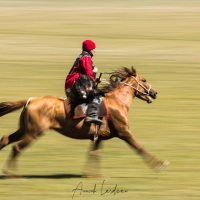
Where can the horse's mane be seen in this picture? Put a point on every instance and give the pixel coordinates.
(118, 76)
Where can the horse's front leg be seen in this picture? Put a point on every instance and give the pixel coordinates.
(92, 168)
(150, 159)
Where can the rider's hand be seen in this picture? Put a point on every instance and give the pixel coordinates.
(98, 80)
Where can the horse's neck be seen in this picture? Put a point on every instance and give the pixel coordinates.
(124, 96)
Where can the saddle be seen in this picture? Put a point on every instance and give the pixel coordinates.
(81, 109)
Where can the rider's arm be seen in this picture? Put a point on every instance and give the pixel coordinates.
(87, 66)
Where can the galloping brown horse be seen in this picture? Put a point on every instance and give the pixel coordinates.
(41, 114)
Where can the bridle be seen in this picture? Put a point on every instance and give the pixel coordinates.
(147, 90)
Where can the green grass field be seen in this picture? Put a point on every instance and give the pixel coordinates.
(39, 41)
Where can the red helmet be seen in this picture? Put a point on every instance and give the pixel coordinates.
(88, 45)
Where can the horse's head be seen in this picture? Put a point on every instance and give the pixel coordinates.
(143, 89)
(130, 78)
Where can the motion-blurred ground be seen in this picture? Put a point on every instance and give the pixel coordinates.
(39, 41)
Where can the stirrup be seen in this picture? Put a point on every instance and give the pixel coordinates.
(96, 135)
(93, 120)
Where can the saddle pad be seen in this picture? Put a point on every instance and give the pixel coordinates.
(80, 110)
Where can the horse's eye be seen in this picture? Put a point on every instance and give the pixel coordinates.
(144, 80)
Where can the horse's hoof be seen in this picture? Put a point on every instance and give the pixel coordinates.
(92, 176)
(164, 165)
(10, 174)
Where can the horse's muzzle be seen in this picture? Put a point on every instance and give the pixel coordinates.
(151, 96)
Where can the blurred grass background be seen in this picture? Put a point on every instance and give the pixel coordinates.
(39, 41)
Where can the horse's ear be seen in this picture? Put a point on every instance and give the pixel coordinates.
(133, 71)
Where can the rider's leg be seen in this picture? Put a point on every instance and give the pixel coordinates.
(92, 112)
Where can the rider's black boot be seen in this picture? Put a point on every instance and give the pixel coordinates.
(92, 114)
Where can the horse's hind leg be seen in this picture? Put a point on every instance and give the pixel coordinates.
(8, 139)
(16, 136)
(10, 167)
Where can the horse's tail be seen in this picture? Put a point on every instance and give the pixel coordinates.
(8, 107)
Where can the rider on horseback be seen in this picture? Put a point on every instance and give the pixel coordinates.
(83, 65)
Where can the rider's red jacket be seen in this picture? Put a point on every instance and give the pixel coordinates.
(82, 65)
